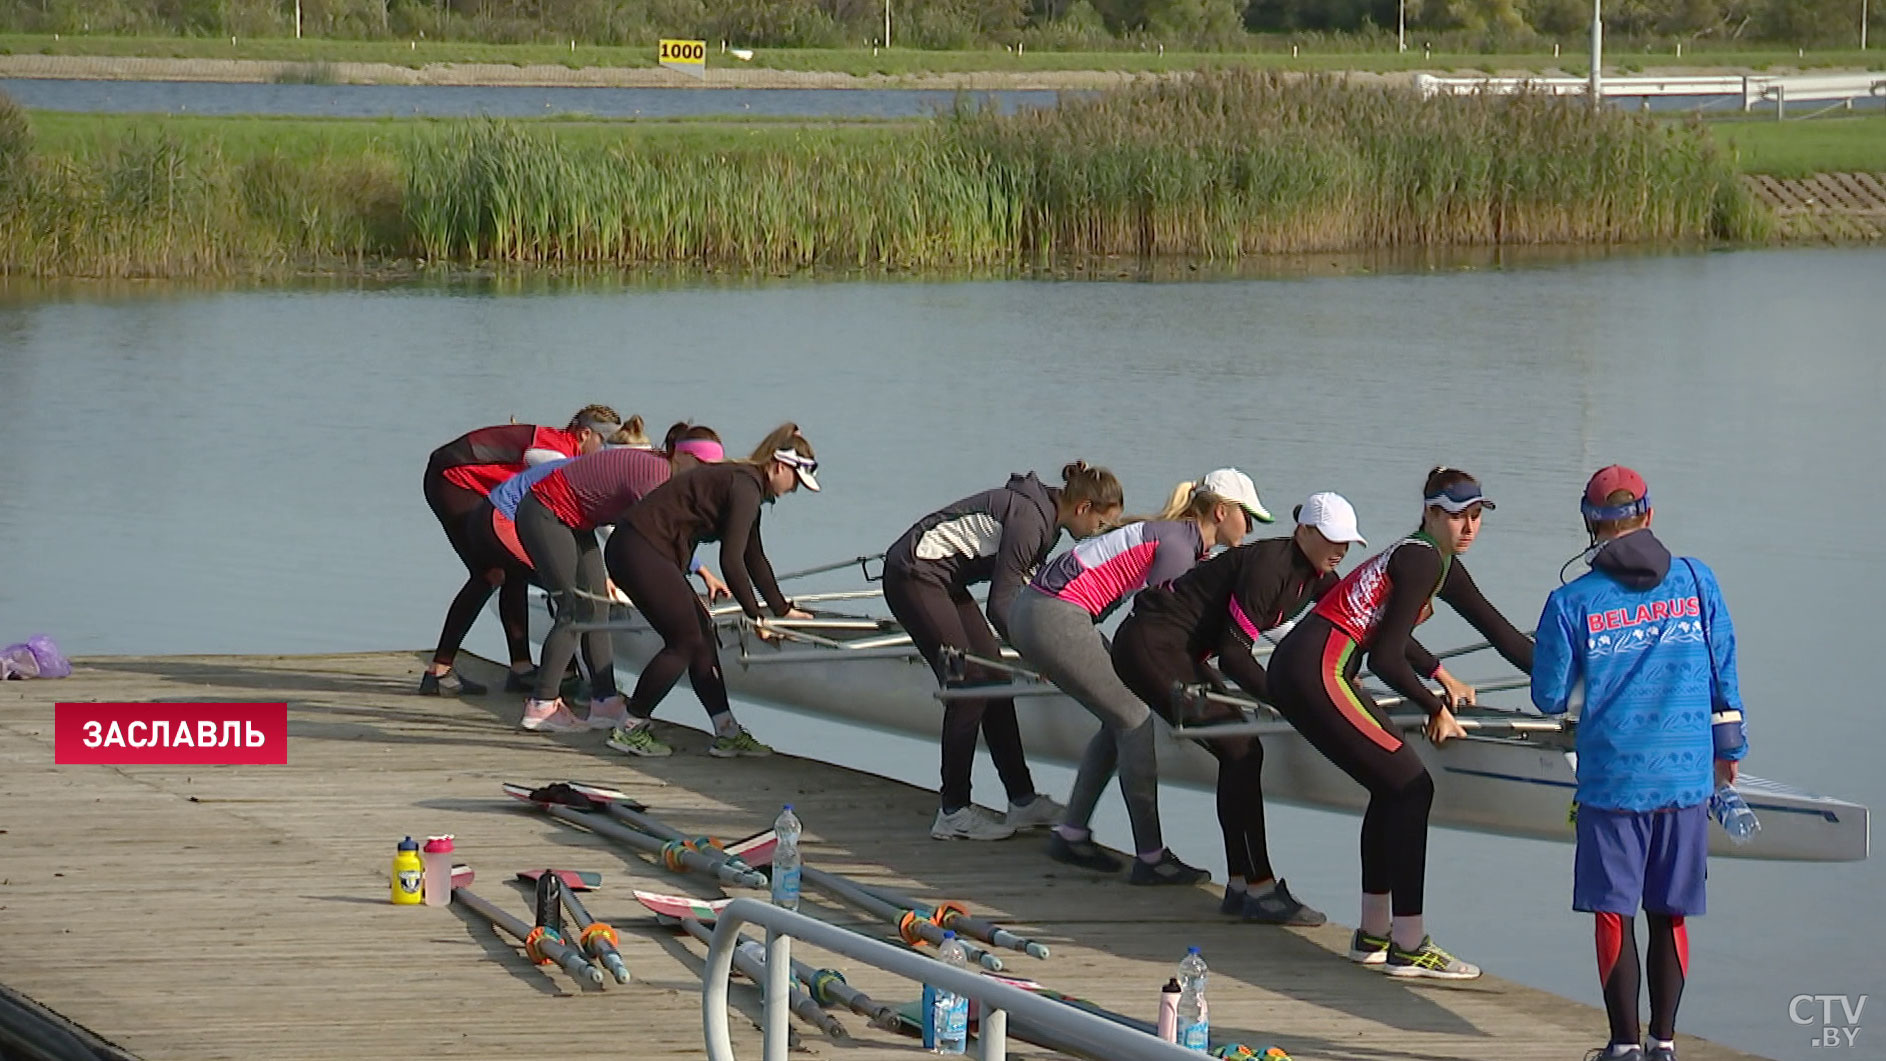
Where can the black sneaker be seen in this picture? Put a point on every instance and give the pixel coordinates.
(1168, 870)
(1232, 904)
(520, 683)
(1623, 1053)
(1279, 907)
(1660, 1053)
(450, 683)
(1082, 853)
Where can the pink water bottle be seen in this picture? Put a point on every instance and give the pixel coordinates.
(437, 858)
(1169, 1011)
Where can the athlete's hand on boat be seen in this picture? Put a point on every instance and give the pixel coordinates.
(1459, 693)
(1443, 726)
(1726, 770)
(716, 589)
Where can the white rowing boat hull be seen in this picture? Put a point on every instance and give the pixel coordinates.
(1514, 786)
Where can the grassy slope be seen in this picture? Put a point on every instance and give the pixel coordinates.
(1267, 53)
(1800, 148)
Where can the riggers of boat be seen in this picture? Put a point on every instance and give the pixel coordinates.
(1514, 773)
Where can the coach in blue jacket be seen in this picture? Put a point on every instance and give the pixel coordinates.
(1645, 641)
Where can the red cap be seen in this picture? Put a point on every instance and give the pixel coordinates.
(439, 844)
(1610, 480)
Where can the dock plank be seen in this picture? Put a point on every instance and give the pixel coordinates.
(241, 912)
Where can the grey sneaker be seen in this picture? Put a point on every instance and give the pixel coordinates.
(1168, 870)
(741, 745)
(970, 823)
(451, 683)
(1660, 1053)
(638, 740)
(1279, 907)
(1039, 811)
(1632, 1052)
(1083, 853)
(1428, 961)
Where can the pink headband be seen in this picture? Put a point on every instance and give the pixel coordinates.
(704, 449)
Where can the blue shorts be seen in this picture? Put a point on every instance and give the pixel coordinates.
(1658, 859)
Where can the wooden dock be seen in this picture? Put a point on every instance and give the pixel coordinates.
(241, 912)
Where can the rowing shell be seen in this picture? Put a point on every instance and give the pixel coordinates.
(858, 669)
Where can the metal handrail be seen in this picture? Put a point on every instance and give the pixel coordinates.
(1078, 1031)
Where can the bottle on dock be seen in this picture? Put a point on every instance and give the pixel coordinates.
(437, 859)
(946, 1017)
(1738, 819)
(409, 874)
(786, 859)
(1194, 1016)
(1169, 1011)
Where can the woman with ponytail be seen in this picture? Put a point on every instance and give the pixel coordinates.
(648, 558)
(1053, 626)
(1372, 612)
(1000, 537)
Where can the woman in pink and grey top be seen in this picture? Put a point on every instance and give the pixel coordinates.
(556, 524)
(1053, 626)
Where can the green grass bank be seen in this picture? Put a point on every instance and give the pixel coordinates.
(1218, 167)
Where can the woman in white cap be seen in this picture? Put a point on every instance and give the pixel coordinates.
(1052, 625)
(648, 558)
(1373, 612)
(1222, 608)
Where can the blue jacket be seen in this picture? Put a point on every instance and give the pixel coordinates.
(1650, 646)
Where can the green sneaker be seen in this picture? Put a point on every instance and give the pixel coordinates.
(740, 744)
(640, 740)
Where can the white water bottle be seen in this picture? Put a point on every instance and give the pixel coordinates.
(1738, 819)
(1194, 1015)
(786, 860)
(949, 1010)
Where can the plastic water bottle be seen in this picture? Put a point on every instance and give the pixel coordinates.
(1168, 1024)
(1194, 1014)
(409, 874)
(949, 1011)
(786, 860)
(437, 858)
(1738, 819)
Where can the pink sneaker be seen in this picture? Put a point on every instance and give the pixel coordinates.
(549, 716)
(608, 714)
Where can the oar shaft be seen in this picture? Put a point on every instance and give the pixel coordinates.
(963, 924)
(604, 950)
(694, 860)
(750, 958)
(836, 565)
(567, 957)
(849, 892)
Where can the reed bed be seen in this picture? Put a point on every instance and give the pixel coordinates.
(1219, 166)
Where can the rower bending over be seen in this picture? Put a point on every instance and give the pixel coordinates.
(648, 557)
(1053, 625)
(459, 476)
(1374, 610)
(998, 536)
(1222, 608)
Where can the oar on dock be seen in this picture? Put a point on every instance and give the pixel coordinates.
(541, 945)
(677, 854)
(597, 939)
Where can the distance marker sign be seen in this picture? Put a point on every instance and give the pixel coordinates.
(687, 57)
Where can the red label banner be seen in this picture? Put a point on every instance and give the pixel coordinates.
(170, 734)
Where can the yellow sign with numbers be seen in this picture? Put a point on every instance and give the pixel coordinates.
(688, 57)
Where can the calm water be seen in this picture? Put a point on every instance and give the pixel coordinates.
(497, 101)
(238, 472)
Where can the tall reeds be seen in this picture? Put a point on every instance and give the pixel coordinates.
(1216, 166)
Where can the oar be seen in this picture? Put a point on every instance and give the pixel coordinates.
(836, 565)
(1477, 646)
(904, 917)
(625, 808)
(676, 854)
(750, 958)
(955, 917)
(1516, 723)
(597, 938)
(540, 947)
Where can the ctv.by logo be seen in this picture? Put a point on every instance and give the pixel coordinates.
(1838, 1017)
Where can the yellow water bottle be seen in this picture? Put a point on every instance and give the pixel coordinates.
(409, 874)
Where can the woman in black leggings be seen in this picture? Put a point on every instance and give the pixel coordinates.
(1374, 611)
(998, 536)
(1222, 608)
(648, 558)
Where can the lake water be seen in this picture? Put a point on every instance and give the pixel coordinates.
(496, 101)
(237, 471)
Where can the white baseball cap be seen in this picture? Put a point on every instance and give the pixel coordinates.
(1333, 517)
(1235, 486)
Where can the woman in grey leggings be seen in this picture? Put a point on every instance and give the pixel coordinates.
(1053, 627)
